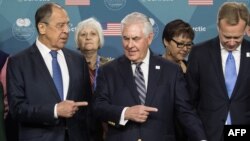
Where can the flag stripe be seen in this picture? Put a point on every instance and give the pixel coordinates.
(77, 2)
(113, 29)
(200, 2)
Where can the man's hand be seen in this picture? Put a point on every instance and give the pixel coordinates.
(68, 108)
(139, 113)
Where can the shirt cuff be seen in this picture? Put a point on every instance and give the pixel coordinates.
(55, 112)
(122, 119)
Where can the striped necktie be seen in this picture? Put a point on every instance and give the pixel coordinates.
(140, 83)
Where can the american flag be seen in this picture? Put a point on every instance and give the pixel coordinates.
(200, 2)
(113, 29)
(77, 2)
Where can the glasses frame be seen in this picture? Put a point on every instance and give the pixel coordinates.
(182, 45)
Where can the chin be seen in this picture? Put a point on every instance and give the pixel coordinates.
(131, 58)
(61, 46)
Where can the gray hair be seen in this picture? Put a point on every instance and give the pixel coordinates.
(137, 17)
(90, 22)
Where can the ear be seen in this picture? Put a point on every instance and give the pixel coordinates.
(150, 38)
(248, 31)
(42, 28)
(218, 27)
(166, 43)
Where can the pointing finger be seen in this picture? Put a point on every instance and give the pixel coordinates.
(150, 109)
(81, 103)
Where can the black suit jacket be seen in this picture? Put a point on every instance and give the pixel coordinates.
(207, 85)
(33, 95)
(166, 91)
(3, 58)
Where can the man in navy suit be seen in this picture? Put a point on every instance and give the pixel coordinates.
(118, 102)
(217, 101)
(33, 95)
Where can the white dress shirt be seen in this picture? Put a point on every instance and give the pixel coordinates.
(235, 53)
(145, 70)
(45, 52)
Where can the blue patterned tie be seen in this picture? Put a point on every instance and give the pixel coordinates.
(57, 74)
(140, 83)
(230, 79)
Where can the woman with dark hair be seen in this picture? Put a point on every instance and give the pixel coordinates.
(177, 38)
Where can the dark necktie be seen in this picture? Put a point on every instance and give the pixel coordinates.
(57, 74)
(140, 83)
(230, 78)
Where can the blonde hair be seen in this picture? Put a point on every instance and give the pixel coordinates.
(232, 12)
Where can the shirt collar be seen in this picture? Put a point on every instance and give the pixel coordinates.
(223, 48)
(146, 59)
(44, 49)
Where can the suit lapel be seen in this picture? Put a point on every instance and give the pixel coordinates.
(125, 70)
(71, 69)
(215, 53)
(153, 78)
(244, 65)
(44, 72)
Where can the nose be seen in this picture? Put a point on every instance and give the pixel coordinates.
(185, 48)
(66, 29)
(130, 43)
(232, 42)
(88, 36)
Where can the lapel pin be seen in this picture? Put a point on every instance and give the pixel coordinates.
(157, 67)
(248, 54)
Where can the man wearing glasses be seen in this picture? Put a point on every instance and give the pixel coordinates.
(47, 106)
(218, 73)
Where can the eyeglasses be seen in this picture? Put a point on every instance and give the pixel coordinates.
(59, 26)
(182, 45)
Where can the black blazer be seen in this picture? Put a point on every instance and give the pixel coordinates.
(3, 58)
(207, 86)
(33, 95)
(166, 91)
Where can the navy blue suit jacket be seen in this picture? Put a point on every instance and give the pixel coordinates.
(207, 86)
(166, 91)
(33, 95)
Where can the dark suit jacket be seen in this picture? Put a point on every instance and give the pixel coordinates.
(2, 128)
(166, 91)
(207, 86)
(3, 58)
(33, 95)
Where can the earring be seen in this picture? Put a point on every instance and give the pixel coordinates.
(169, 53)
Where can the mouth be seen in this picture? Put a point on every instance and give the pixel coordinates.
(88, 43)
(64, 39)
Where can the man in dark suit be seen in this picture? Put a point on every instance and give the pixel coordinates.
(221, 98)
(2, 128)
(3, 58)
(143, 108)
(34, 99)
(3, 61)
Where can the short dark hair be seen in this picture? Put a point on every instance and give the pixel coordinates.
(44, 12)
(176, 28)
